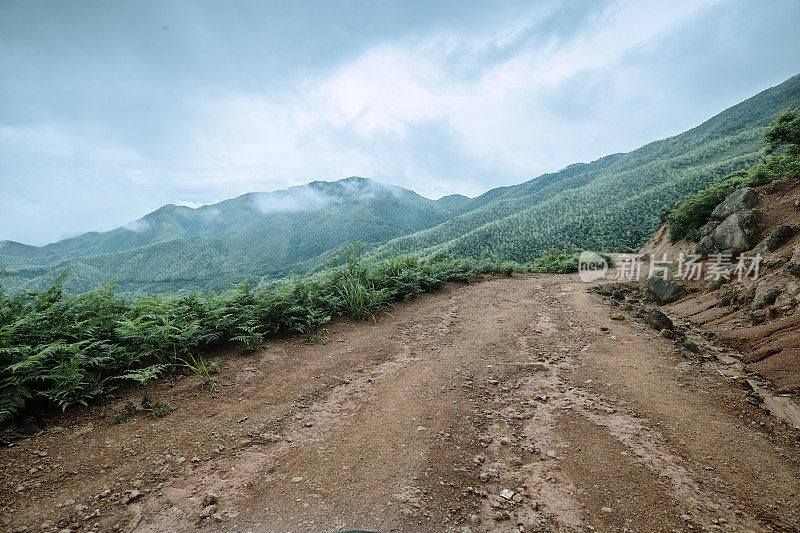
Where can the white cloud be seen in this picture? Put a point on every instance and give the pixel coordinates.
(364, 113)
(193, 205)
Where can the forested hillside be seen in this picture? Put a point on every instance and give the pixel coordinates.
(612, 202)
(254, 236)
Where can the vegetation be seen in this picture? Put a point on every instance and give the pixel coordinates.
(612, 203)
(562, 261)
(147, 406)
(64, 343)
(67, 349)
(688, 216)
(179, 251)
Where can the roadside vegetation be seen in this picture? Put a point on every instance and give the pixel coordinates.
(65, 349)
(61, 349)
(688, 216)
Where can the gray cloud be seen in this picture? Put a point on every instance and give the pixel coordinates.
(112, 110)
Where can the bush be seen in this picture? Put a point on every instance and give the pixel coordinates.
(562, 261)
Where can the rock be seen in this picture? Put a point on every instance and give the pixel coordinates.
(618, 295)
(617, 316)
(740, 200)
(297, 479)
(774, 261)
(489, 474)
(793, 269)
(685, 367)
(779, 237)
(658, 320)
(668, 334)
(709, 227)
(664, 290)
(133, 496)
(764, 298)
(210, 510)
(689, 345)
(210, 499)
(716, 284)
(705, 247)
(737, 233)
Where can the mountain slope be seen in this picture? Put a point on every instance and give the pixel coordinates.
(179, 249)
(614, 201)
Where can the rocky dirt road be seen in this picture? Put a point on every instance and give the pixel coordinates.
(420, 422)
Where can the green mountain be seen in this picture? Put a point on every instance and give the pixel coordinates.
(257, 235)
(612, 202)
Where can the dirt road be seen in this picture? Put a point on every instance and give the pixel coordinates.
(417, 423)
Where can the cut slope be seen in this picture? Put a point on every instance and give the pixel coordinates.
(768, 335)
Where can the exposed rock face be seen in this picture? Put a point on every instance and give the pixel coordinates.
(738, 233)
(664, 290)
(740, 200)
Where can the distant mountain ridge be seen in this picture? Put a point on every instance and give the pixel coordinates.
(255, 235)
(177, 222)
(612, 202)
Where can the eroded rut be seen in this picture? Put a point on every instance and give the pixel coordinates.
(513, 404)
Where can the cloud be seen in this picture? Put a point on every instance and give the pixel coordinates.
(195, 205)
(484, 101)
(434, 98)
(138, 226)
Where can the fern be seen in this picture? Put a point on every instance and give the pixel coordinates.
(144, 375)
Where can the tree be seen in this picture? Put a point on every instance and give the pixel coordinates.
(783, 131)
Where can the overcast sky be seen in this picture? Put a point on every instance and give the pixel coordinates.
(109, 110)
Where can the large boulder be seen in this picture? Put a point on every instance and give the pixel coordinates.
(736, 201)
(736, 234)
(664, 290)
